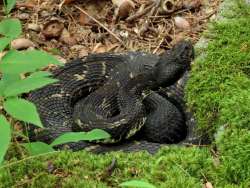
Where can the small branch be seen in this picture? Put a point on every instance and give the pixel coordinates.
(140, 13)
(99, 23)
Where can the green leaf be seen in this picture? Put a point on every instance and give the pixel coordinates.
(11, 28)
(9, 5)
(27, 84)
(22, 110)
(6, 80)
(5, 137)
(137, 183)
(4, 43)
(40, 74)
(36, 148)
(16, 62)
(95, 134)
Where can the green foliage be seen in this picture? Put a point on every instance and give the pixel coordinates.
(37, 148)
(22, 110)
(4, 42)
(9, 5)
(234, 147)
(137, 183)
(32, 82)
(16, 62)
(13, 64)
(218, 92)
(5, 138)
(218, 80)
(82, 169)
(95, 134)
(11, 28)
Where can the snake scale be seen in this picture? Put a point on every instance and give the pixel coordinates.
(120, 94)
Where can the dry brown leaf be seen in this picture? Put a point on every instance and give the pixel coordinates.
(34, 27)
(124, 7)
(67, 38)
(21, 43)
(61, 59)
(53, 29)
(68, 1)
(85, 20)
(83, 52)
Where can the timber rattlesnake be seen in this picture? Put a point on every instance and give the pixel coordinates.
(107, 91)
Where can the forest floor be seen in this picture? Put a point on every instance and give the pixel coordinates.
(217, 92)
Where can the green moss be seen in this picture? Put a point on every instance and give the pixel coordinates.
(234, 149)
(172, 166)
(219, 79)
(219, 94)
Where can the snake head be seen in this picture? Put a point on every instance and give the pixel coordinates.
(183, 51)
(173, 63)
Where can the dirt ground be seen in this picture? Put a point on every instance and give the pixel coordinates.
(75, 28)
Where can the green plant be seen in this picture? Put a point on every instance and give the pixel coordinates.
(137, 183)
(8, 5)
(20, 74)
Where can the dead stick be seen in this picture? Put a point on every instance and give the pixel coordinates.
(141, 13)
(99, 23)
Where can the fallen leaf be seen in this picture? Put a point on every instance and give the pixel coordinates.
(124, 7)
(83, 52)
(68, 1)
(85, 20)
(67, 38)
(53, 29)
(34, 27)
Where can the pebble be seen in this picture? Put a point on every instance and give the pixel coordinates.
(181, 23)
(21, 43)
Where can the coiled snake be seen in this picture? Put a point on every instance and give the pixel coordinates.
(119, 94)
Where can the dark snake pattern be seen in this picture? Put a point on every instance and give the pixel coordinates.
(62, 104)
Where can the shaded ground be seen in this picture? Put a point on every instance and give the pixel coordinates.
(69, 32)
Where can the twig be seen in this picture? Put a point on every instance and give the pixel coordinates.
(99, 23)
(109, 170)
(140, 13)
(159, 45)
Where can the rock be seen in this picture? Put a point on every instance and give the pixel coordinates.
(181, 23)
(22, 43)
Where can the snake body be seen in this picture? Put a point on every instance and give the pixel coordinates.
(108, 91)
